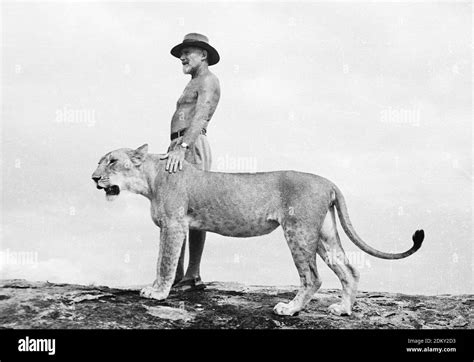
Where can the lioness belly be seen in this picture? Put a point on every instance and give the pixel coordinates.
(244, 205)
(234, 227)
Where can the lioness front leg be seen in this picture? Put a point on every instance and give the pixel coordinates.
(171, 241)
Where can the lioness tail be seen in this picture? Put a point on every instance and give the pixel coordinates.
(340, 203)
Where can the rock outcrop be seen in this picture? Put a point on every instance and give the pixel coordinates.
(34, 305)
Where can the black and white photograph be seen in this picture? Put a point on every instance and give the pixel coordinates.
(300, 166)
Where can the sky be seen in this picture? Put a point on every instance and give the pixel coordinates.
(373, 96)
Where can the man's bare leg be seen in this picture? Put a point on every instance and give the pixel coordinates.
(180, 269)
(196, 247)
(192, 278)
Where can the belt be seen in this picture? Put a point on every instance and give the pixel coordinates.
(181, 133)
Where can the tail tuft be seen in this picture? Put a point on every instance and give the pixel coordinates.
(417, 238)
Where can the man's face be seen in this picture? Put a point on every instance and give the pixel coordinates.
(192, 58)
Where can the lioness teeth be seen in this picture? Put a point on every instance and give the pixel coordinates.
(112, 190)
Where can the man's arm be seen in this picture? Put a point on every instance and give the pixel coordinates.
(206, 103)
(208, 97)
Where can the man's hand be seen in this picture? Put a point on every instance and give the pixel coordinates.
(175, 159)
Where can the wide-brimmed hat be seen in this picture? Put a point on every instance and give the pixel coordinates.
(197, 40)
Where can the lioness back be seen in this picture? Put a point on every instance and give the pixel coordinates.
(245, 204)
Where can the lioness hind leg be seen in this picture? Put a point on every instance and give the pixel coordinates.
(302, 244)
(331, 251)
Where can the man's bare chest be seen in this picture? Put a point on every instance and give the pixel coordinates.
(190, 95)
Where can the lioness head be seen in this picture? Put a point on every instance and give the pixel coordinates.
(120, 170)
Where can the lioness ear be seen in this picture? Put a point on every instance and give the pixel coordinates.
(139, 154)
(143, 149)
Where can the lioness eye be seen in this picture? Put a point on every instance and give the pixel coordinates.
(112, 161)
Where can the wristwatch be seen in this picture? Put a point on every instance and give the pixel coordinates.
(184, 145)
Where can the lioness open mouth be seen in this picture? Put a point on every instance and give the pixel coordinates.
(112, 190)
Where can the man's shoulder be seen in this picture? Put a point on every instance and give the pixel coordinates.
(210, 80)
(212, 76)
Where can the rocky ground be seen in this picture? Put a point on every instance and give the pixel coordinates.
(222, 305)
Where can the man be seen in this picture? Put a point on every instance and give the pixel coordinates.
(194, 110)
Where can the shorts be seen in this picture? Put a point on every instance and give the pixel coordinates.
(198, 154)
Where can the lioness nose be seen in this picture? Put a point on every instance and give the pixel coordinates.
(96, 178)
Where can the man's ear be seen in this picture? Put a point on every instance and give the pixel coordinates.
(139, 155)
(204, 52)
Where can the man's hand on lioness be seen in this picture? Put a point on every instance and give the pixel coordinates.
(175, 159)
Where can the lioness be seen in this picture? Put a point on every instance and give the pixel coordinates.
(242, 205)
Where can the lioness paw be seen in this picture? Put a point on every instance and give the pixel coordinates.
(153, 293)
(284, 309)
(339, 309)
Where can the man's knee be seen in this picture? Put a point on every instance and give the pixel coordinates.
(197, 235)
